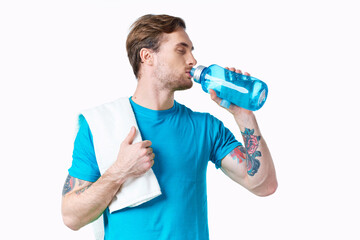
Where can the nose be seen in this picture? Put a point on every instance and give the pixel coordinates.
(192, 61)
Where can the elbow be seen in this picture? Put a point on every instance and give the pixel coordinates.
(70, 223)
(69, 219)
(269, 190)
(266, 189)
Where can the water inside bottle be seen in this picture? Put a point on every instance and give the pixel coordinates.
(250, 95)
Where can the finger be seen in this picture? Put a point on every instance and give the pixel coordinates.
(238, 71)
(214, 97)
(247, 74)
(146, 143)
(131, 136)
(149, 150)
(150, 159)
(232, 69)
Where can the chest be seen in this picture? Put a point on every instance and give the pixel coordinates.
(180, 147)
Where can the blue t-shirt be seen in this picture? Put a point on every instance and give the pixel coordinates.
(183, 142)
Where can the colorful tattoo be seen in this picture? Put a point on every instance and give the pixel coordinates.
(69, 185)
(238, 154)
(248, 153)
(251, 145)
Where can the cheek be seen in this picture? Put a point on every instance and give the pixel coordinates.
(171, 62)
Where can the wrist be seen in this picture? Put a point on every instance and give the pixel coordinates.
(244, 117)
(113, 175)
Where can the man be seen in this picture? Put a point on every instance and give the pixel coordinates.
(177, 145)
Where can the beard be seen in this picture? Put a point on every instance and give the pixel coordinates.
(172, 80)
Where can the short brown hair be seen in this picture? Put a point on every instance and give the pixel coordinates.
(146, 32)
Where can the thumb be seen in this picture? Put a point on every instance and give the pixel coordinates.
(131, 136)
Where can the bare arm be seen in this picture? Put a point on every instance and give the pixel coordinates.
(250, 165)
(83, 201)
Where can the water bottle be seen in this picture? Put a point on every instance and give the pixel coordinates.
(244, 91)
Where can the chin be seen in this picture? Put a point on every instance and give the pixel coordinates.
(185, 86)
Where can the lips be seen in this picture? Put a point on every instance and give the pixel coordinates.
(188, 73)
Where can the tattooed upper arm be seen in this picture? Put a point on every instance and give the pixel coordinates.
(243, 159)
(75, 185)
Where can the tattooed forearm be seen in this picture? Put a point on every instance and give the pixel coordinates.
(251, 145)
(70, 184)
(83, 189)
(249, 152)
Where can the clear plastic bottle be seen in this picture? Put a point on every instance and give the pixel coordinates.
(244, 91)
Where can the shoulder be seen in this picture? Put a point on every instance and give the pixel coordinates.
(203, 118)
(186, 110)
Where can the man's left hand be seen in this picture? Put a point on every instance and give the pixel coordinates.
(233, 109)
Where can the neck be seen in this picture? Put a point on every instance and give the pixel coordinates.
(153, 97)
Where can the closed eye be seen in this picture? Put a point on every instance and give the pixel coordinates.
(181, 51)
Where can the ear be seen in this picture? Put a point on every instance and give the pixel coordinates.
(147, 56)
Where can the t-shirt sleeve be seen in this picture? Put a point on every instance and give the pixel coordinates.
(223, 141)
(84, 165)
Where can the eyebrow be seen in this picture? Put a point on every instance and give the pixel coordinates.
(185, 45)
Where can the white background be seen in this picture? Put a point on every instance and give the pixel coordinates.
(59, 57)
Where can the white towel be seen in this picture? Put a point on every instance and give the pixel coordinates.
(110, 123)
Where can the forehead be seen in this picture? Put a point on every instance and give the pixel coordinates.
(177, 38)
